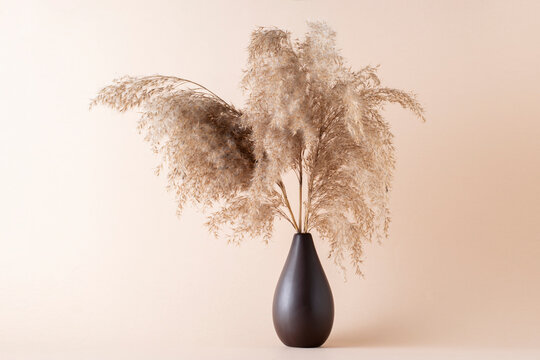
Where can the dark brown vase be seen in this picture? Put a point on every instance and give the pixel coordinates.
(303, 308)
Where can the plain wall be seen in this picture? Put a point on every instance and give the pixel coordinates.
(93, 257)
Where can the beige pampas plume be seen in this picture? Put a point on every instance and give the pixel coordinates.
(306, 112)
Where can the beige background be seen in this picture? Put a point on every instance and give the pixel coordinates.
(95, 263)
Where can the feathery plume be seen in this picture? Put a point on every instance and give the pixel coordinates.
(306, 112)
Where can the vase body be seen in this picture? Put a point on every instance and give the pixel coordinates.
(303, 307)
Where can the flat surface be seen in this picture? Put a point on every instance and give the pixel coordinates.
(289, 353)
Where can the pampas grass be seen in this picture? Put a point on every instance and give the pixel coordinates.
(306, 112)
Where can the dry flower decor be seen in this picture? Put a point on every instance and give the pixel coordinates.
(307, 112)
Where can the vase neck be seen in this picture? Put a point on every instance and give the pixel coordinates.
(303, 236)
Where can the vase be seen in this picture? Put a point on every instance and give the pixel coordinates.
(303, 306)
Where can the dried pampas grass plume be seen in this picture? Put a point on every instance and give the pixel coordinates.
(306, 112)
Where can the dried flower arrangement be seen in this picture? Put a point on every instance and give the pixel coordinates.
(306, 112)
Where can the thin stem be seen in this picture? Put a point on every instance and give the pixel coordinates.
(287, 204)
(201, 87)
(308, 205)
(314, 164)
(300, 173)
(285, 216)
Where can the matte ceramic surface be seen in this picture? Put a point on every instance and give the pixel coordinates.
(303, 307)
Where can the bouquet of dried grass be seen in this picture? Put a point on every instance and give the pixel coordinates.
(306, 112)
